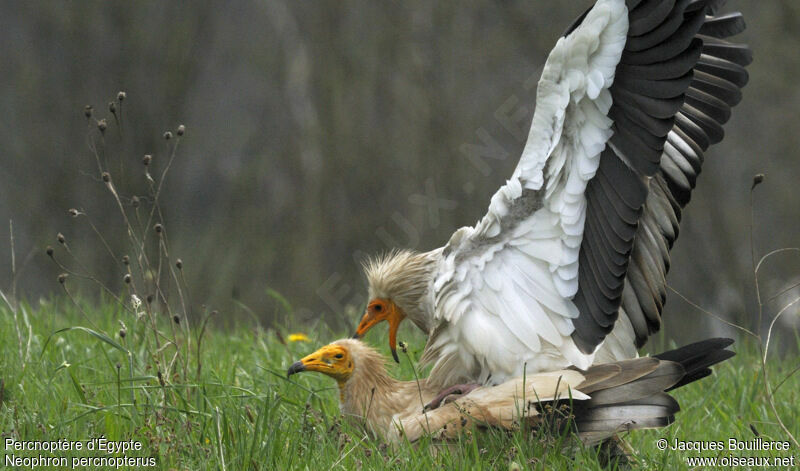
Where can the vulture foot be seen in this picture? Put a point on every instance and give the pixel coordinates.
(449, 395)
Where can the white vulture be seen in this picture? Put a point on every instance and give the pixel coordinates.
(567, 267)
(602, 401)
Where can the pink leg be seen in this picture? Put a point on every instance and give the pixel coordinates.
(450, 394)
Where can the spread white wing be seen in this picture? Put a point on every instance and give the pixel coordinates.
(533, 286)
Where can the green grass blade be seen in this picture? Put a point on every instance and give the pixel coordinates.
(100, 336)
(77, 385)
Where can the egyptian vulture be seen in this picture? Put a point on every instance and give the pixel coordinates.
(604, 400)
(568, 265)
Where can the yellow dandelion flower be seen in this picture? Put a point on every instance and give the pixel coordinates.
(299, 337)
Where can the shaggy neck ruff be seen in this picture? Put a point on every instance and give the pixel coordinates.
(405, 277)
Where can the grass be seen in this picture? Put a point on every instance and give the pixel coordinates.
(242, 412)
(200, 397)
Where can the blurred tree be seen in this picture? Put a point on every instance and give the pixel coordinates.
(319, 132)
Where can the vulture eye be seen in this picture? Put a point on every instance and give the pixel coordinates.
(338, 356)
(378, 308)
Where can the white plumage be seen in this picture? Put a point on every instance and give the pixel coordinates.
(515, 282)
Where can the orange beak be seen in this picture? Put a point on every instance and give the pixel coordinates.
(392, 315)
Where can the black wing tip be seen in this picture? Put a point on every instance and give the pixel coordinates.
(719, 76)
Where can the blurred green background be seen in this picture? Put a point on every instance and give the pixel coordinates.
(319, 132)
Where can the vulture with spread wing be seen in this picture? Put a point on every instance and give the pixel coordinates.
(568, 265)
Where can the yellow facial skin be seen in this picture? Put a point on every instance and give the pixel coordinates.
(382, 310)
(332, 360)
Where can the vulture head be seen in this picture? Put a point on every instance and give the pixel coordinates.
(360, 372)
(398, 288)
(334, 360)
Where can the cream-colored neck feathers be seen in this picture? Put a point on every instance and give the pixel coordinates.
(404, 277)
(370, 394)
(369, 372)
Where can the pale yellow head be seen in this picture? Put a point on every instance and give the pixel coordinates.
(333, 360)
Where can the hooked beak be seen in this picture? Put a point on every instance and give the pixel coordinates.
(368, 320)
(296, 367)
(392, 315)
(329, 360)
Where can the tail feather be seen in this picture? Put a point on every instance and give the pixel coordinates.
(686, 354)
(664, 376)
(623, 424)
(626, 372)
(605, 399)
(696, 358)
(643, 402)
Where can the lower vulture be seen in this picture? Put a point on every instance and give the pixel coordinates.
(596, 403)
